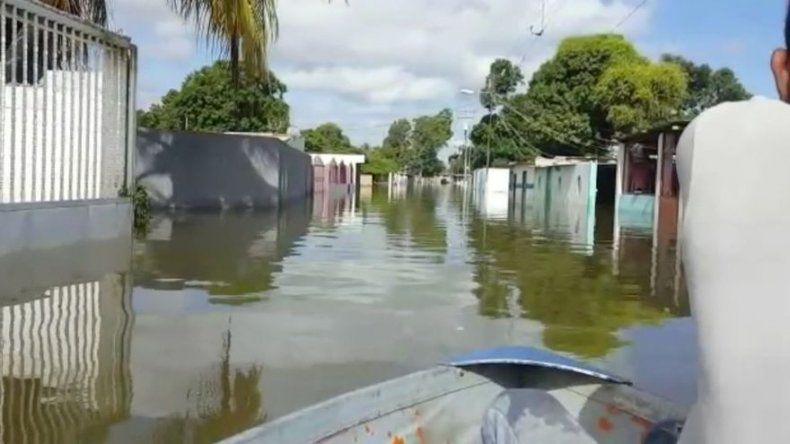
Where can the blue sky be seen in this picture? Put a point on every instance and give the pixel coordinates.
(367, 63)
(740, 34)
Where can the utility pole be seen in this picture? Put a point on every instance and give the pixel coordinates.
(466, 152)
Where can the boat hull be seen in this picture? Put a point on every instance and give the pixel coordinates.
(451, 404)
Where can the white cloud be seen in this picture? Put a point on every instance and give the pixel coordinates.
(375, 85)
(365, 63)
(419, 54)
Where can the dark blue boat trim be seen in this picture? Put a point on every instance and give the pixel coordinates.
(532, 357)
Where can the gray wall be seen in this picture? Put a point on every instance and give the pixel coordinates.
(210, 171)
(45, 245)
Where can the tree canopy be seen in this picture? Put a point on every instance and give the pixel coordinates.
(412, 146)
(328, 138)
(707, 87)
(208, 101)
(595, 88)
(502, 80)
(561, 112)
(638, 95)
(379, 163)
(429, 135)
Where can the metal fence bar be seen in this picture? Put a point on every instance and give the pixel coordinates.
(47, 178)
(3, 142)
(12, 127)
(98, 68)
(78, 93)
(37, 189)
(22, 81)
(73, 109)
(60, 113)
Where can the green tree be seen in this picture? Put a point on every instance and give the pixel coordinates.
(707, 87)
(397, 143)
(562, 115)
(208, 101)
(379, 162)
(502, 80)
(500, 137)
(328, 138)
(638, 95)
(429, 135)
(503, 134)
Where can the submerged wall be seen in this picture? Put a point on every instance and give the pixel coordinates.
(559, 198)
(214, 171)
(58, 242)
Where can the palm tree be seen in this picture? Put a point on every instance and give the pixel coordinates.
(92, 10)
(238, 29)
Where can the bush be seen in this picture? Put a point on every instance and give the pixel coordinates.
(141, 204)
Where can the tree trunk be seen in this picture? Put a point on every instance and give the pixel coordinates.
(234, 58)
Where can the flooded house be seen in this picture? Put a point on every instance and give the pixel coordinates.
(647, 181)
(335, 177)
(647, 205)
(558, 195)
(490, 192)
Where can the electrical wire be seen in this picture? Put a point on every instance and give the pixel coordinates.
(558, 137)
(630, 14)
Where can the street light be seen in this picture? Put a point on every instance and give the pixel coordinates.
(471, 92)
(467, 156)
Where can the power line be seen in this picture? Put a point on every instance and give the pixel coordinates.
(556, 135)
(559, 7)
(630, 14)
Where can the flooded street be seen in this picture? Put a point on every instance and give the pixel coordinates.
(223, 321)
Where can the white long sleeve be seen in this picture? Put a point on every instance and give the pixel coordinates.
(734, 170)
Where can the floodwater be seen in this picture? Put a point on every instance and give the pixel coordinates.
(223, 321)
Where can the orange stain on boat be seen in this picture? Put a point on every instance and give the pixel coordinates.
(604, 424)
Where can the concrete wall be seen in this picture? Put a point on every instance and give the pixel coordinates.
(212, 171)
(60, 242)
(492, 180)
(559, 199)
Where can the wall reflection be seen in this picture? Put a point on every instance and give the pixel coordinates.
(571, 267)
(65, 362)
(233, 256)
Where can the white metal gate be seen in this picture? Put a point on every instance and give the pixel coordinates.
(66, 106)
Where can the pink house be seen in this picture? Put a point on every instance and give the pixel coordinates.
(336, 170)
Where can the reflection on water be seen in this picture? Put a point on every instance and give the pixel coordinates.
(225, 403)
(65, 362)
(227, 320)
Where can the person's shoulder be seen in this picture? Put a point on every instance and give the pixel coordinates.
(755, 111)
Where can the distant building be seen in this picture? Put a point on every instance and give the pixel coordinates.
(336, 169)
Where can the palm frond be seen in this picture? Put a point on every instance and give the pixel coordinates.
(250, 25)
(91, 10)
